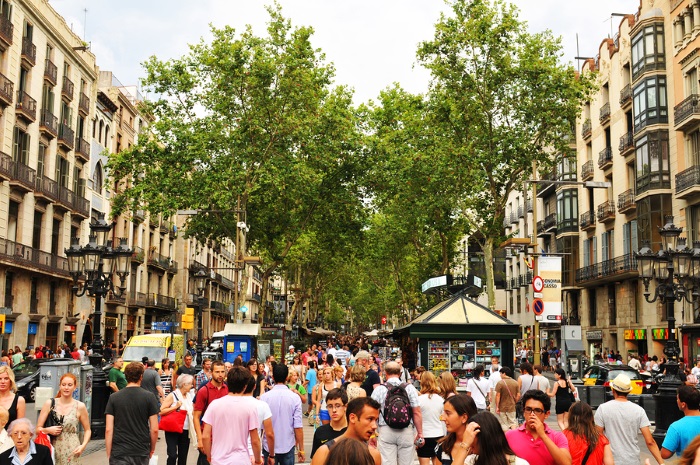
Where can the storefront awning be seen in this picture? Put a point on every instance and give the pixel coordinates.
(463, 318)
(574, 345)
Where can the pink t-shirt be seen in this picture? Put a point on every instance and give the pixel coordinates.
(534, 451)
(231, 419)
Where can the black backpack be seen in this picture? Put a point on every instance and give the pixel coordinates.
(397, 407)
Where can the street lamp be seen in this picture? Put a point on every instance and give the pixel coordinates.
(200, 282)
(96, 263)
(675, 269)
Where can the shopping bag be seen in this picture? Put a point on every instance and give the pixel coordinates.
(153, 460)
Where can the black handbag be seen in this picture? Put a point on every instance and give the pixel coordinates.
(53, 419)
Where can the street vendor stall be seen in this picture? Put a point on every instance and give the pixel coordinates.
(240, 339)
(458, 334)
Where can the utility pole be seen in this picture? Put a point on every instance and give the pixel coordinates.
(535, 271)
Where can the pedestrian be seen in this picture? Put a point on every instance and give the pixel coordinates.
(562, 389)
(327, 383)
(362, 415)
(405, 374)
(350, 452)
(396, 438)
(117, 380)
(336, 401)
(25, 451)
(185, 368)
(431, 406)
(354, 387)
(178, 444)
(204, 375)
(225, 436)
(286, 420)
(9, 397)
(494, 378)
(584, 438)
(166, 376)
(131, 424)
(264, 420)
(478, 387)
(534, 441)
(622, 421)
(151, 381)
(295, 386)
(485, 443)
(507, 395)
(456, 412)
(67, 445)
(372, 379)
(541, 381)
(681, 432)
(448, 387)
(216, 388)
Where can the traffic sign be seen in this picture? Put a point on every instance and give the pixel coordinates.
(538, 307)
(163, 325)
(538, 283)
(244, 309)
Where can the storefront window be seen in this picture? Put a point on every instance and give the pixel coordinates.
(567, 211)
(650, 105)
(648, 50)
(652, 170)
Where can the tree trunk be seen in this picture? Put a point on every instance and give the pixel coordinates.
(488, 266)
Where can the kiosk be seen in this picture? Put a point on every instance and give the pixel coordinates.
(458, 334)
(240, 339)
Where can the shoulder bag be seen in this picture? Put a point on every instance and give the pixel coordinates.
(174, 421)
(572, 392)
(53, 419)
(488, 402)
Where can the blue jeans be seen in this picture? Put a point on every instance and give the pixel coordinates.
(281, 459)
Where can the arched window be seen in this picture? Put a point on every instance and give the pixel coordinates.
(97, 178)
(102, 126)
(107, 141)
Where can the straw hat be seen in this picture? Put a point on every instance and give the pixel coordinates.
(621, 383)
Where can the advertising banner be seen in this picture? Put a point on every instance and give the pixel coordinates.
(549, 269)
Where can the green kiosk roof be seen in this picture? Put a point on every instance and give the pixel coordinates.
(460, 317)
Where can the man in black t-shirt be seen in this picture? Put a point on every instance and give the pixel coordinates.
(372, 380)
(131, 423)
(336, 401)
(185, 368)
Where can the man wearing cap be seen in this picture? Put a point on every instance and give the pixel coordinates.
(372, 380)
(621, 421)
(289, 356)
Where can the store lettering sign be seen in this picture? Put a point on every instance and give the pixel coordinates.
(635, 334)
(659, 333)
(590, 335)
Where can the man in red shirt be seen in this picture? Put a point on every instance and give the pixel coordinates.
(214, 389)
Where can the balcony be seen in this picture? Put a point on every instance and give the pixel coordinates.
(616, 269)
(6, 32)
(545, 188)
(82, 149)
(587, 221)
(625, 202)
(66, 136)
(112, 299)
(227, 283)
(138, 256)
(605, 158)
(255, 297)
(606, 211)
(160, 301)
(67, 89)
(550, 222)
(218, 307)
(158, 261)
(46, 188)
(604, 113)
(508, 285)
(7, 167)
(506, 221)
(586, 129)
(163, 227)
(137, 299)
(687, 113)
(626, 96)
(81, 206)
(6, 91)
(48, 124)
(627, 144)
(28, 52)
(541, 232)
(688, 182)
(23, 256)
(173, 267)
(50, 72)
(521, 211)
(514, 217)
(84, 104)
(65, 198)
(23, 178)
(529, 206)
(25, 106)
(587, 171)
(139, 216)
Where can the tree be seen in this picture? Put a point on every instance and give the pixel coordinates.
(502, 101)
(252, 124)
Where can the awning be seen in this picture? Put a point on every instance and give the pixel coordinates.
(241, 329)
(573, 345)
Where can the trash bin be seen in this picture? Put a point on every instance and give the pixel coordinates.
(51, 373)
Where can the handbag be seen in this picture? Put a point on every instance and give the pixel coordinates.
(572, 394)
(174, 421)
(53, 419)
(488, 402)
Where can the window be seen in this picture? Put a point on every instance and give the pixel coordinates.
(38, 220)
(607, 245)
(62, 171)
(97, 178)
(567, 210)
(41, 163)
(650, 105)
(630, 242)
(650, 217)
(648, 50)
(652, 162)
(568, 245)
(566, 168)
(20, 146)
(691, 81)
(589, 251)
(47, 100)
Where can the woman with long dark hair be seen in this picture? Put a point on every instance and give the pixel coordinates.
(562, 387)
(583, 435)
(456, 412)
(486, 443)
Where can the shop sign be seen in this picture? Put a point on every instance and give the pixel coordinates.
(594, 335)
(550, 272)
(32, 328)
(69, 328)
(659, 333)
(635, 334)
(110, 322)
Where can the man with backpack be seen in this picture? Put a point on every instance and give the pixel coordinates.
(400, 419)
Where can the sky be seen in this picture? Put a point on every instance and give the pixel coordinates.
(372, 43)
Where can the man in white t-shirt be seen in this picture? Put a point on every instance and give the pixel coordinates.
(635, 363)
(494, 378)
(479, 387)
(541, 382)
(264, 416)
(696, 370)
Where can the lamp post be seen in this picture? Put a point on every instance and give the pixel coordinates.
(200, 282)
(675, 269)
(97, 262)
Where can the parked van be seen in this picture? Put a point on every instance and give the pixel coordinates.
(153, 346)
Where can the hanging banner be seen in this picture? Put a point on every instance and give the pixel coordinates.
(549, 269)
